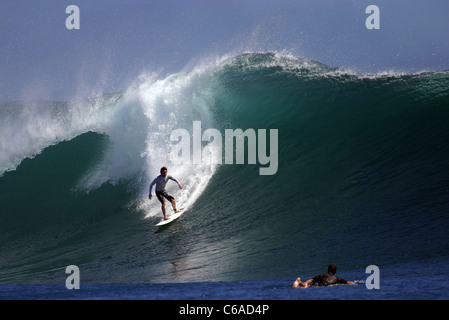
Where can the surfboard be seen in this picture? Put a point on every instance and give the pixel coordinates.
(171, 218)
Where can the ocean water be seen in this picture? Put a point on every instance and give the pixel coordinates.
(420, 280)
(362, 179)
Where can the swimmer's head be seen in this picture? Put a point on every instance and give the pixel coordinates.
(332, 269)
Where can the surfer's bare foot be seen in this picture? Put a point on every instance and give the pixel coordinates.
(176, 211)
(298, 283)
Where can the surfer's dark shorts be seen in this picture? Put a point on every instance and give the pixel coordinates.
(163, 194)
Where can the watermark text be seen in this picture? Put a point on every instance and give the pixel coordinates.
(373, 280)
(73, 280)
(185, 152)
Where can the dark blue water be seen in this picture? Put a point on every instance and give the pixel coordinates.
(421, 280)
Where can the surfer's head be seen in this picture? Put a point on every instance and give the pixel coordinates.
(163, 171)
(332, 269)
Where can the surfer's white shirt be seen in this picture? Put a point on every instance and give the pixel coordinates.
(160, 182)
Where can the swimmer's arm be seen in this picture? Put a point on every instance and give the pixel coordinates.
(340, 280)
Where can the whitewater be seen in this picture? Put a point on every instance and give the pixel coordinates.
(361, 180)
(136, 123)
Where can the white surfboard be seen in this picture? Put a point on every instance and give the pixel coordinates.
(170, 218)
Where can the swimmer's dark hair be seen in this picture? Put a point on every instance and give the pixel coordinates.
(332, 269)
(163, 169)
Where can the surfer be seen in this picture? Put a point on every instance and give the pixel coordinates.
(160, 182)
(325, 279)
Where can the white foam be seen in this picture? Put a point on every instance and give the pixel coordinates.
(138, 122)
(170, 104)
(29, 127)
